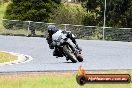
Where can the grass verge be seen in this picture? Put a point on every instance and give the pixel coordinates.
(51, 80)
(6, 57)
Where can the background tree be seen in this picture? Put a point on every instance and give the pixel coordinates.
(69, 14)
(34, 10)
(118, 12)
(3, 1)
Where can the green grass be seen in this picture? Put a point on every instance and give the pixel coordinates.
(19, 32)
(50, 81)
(6, 57)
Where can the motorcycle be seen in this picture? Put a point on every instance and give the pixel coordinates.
(65, 47)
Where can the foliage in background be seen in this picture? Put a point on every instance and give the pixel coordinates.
(118, 13)
(2, 9)
(3, 1)
(34, 10)
(69, 14)
(29, 10)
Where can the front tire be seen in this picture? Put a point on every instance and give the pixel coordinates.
(69, 54)
(80, 58)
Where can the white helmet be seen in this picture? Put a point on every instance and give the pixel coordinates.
(52, 29)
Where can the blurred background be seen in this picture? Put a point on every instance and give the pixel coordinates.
(87, 19)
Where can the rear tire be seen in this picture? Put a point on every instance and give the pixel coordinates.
(69, 54)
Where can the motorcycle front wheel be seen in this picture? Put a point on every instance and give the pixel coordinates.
(80, 58)
(70, 55)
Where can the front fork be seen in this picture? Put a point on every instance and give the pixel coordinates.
(73, 46)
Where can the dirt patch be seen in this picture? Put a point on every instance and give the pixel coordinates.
(22, 75)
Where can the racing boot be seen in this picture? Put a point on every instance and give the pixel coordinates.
(67, 58)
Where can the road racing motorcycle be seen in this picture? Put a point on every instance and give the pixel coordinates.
(65, 47)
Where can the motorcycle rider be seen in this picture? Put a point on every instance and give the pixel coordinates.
(51, 30)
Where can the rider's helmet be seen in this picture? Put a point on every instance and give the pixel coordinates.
(52, 29)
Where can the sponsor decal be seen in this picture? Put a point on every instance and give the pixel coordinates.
(83, 78)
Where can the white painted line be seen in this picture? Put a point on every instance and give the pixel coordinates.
(21, 58)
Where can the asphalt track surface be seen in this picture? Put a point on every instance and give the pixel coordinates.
(98, 55)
